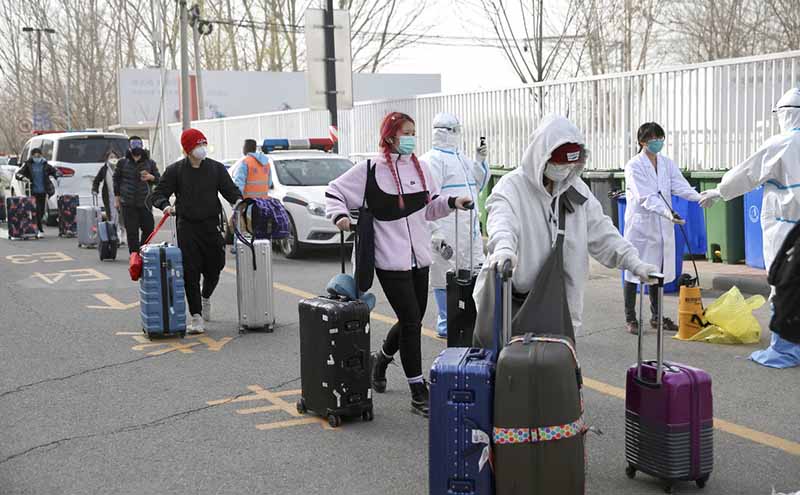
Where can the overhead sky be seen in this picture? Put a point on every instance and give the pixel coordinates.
(463, 68)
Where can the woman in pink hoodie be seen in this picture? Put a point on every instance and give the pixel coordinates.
(403, 198)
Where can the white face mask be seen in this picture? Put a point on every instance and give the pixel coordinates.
(556, 172)
(200, 152)
(113, 161)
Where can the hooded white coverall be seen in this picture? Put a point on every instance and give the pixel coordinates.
(776, 166)
(522, 222)
(457, 176)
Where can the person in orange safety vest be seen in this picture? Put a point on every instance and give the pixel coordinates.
(253, 174)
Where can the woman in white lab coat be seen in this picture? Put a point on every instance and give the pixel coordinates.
(650, 181)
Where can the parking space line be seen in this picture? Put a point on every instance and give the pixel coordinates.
(740, 431)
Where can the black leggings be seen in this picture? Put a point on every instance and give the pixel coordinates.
(630, 301)
(41, 206)
(203, 251)
(136, 218)
(407, 292)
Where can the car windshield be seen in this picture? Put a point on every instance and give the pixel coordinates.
(311, 172)
(89, 149)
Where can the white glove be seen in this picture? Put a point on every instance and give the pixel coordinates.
(169, 210)
(482, 152)
(708, 198)
(644, 271)
(677, 220)
(499, 258)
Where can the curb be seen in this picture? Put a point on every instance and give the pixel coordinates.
(748, 284)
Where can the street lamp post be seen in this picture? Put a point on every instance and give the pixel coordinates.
(38, 32)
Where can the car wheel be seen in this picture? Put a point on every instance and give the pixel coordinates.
(291, 247)
(52, 217)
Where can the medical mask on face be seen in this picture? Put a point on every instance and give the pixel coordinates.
(407, 145)
(556, 172)
(655, 146)
(200, 152)
(38, 159)
(113, 161)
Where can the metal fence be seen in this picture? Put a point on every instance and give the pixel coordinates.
(715, 114)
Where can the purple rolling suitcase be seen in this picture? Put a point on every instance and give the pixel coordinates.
(21, 212)
(67, 215)
(462, 404)
(669, 423)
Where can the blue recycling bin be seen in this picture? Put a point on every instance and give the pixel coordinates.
(695, 226)
(753, 241)
(671, 287)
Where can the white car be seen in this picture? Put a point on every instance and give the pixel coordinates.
(299, 180)
(8, 167)
(78, 156)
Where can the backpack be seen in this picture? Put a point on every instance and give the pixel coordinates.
(784, 275)
(268, 218)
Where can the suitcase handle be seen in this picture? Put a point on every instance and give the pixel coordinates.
(471, 267)
(502, 313)
(659, 335)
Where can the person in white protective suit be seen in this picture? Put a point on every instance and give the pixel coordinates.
(776, 166)
(458, 175)
(523, 221)
(650, 181)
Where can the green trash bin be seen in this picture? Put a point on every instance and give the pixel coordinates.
(602, 183)
(494, 176)
(724, 224)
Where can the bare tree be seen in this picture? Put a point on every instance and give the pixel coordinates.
(787, 16)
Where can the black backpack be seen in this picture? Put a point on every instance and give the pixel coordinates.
(784, 275)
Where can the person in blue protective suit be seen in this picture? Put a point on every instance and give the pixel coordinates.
(458, 175)
(776, 166)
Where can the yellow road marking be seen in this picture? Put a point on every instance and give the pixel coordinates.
(50, 278)
(276, 404)
(112, 303)
(46, 257)
(606, 389)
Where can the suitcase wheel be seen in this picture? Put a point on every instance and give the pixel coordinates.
(368, 415)
(669, 489)
(301, 406)
(701, 483)
(630, 471)
(334, 420)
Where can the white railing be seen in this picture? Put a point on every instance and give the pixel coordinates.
(714, 114)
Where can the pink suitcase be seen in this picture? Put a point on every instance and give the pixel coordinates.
(669, 423)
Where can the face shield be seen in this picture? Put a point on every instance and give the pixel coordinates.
(787, 110)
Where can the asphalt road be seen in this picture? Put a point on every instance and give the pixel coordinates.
(88, 406)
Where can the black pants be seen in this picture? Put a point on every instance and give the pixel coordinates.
(41, 206)
(407, 292)
(203, 250)
(135, 219)
(630, 301)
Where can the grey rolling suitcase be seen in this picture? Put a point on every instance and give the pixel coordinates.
(87, 224)
(254, 291)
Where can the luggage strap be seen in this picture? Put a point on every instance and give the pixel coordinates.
(503, 436)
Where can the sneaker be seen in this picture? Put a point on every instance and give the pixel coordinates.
(669, 325)
(379, 365)
(420, 398)
(441, 336)
(195, 325)
(206, 309)
(632, 327)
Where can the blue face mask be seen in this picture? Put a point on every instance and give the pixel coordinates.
(39, 159)
(655, 146)
(407, 145)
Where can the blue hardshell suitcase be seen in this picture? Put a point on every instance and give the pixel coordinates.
(161, 291)
(462, 400)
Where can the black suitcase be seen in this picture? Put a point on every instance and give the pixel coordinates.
(108, 241)
(461, 310)
(335, 358)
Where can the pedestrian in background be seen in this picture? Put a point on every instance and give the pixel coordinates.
(105, 177)
(252, 174)
(457, 175)
(38, 171)
(651, 179)
(134, 177)
(400, 192)
(196, 181)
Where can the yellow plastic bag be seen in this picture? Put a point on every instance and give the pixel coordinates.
(731, 321)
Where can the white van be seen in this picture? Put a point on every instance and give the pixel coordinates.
(79, 156)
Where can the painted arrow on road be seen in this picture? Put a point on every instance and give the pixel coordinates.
(112, 303)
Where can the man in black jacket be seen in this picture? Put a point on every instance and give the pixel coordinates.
(38, 172)
(133, 178)
(196, 181)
